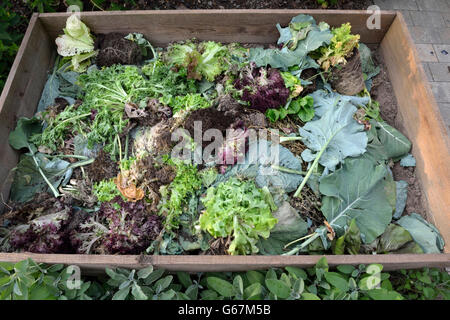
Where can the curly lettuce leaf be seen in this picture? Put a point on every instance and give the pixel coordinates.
(240, 210)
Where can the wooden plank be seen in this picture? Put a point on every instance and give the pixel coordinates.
(247, 26)
(422, 123)
(97, 263)
(21, 93)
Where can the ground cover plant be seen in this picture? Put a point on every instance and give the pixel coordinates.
(211, 148)
(28, 280)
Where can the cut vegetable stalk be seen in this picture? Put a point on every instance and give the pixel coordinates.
(287, 139)
(287, 170)
(314, 165)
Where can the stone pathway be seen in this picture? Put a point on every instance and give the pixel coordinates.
(429, 24)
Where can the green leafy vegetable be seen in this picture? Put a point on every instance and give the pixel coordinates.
(290, 226)
(207, 59)
(300, 107)
(425, 234)
(334, 137)
(240, 210)
(105, 190)
(341, 46)
(175, 197)
(77, 43)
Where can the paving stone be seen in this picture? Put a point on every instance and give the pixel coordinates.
(445, 113)
(439, 71)
(441, 91)
(426, 68)
(397, 4)
(433, 5)
(428, 19)
(444, 33)
(424, 34)
(446, 18)
(442, 52)
(407, 16)
(426, 53)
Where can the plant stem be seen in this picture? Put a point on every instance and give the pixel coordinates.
(287, 170)
(286, 139)
(313, 237)
(313, 166)
(74, 118)
(300, 239)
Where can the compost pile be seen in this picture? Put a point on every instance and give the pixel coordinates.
(210, 148)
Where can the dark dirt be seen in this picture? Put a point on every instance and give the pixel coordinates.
(308, 206)
(115, 49)
(102, 168)
(383, 92)
(209, 118)
(250, 118)
(241, 4)
(154, 113)
(348, 79)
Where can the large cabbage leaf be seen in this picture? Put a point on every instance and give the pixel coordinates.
(424, 233)
(290, 226)
(394, 142)
(359, 190)
(28, 179)
(301, 37)
(258, 164)
(334, 137)
(325, 100)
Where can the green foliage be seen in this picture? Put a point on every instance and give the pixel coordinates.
(174, 198)
(425, 284)
(341, 46)
(303, 108)
(204, 60)
(326, 3)
(105, 190)
(189, 102)
(27, 280)
(240, 210)
(167, 83)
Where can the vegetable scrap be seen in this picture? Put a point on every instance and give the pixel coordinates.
(210, 148)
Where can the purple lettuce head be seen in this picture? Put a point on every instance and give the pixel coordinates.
(46, 234)
(118, 227)
(263, 89)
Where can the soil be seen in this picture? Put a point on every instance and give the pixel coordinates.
(240, 4)
(115, 49)
(383, 92)
(348, 79)
(102, 167)
(209, 118)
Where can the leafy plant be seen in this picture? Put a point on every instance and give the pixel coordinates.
(204, 60)
(239, 210)
(335, 136)
(175, 196)
(77, 43)
(341, 47)
(105, 190)
(303, 108)
(27, 280)
(261, 88)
